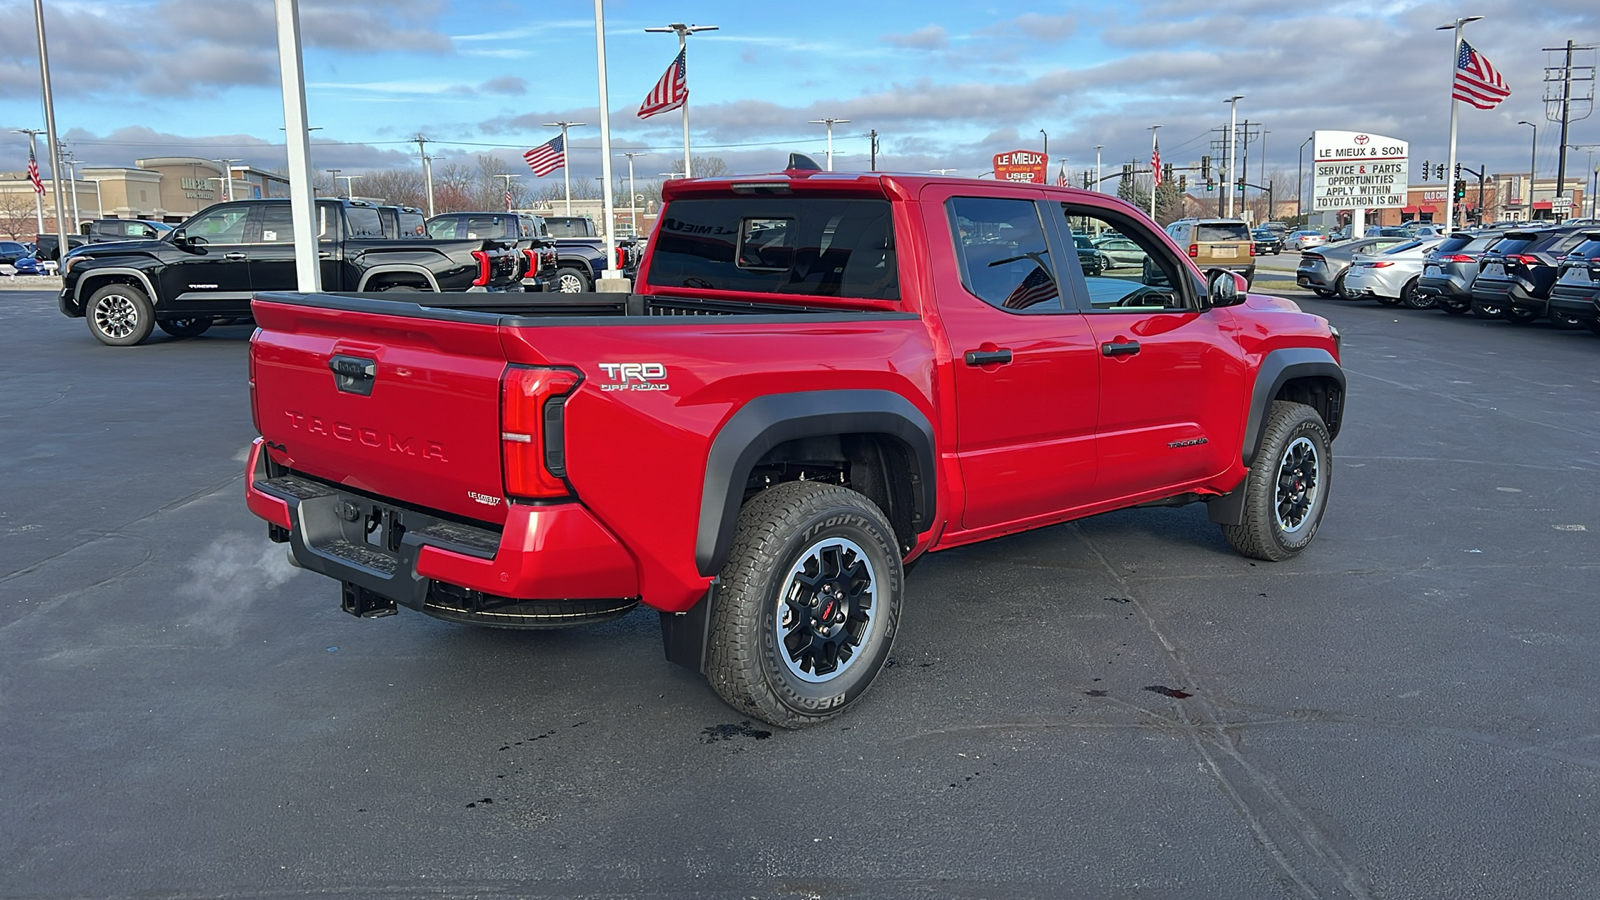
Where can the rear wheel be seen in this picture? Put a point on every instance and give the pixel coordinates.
(185, 328)
(119, 315)
(1338, 287)
(571, 281)
(1414, 299)
(809, 604)
(1287, 491)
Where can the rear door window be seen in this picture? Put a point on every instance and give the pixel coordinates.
(777, 245)
(1003, 254)
(363, 222)
(443, 229)
(411, 225)
(1515, 243)
(1221, 231)
(1589, 249)
(1479, 244)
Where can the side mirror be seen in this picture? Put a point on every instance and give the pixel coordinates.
(1225, 288)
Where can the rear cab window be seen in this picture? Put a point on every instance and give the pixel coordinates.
(363, 222)
(1221, 231)
(1588, 250)
(820, 246)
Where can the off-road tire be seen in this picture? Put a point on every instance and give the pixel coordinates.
(749, 661)
(185, 328)
(1280, 519)
(572, 281)
(119, 315)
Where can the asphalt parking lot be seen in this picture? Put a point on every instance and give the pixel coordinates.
(1119, 707)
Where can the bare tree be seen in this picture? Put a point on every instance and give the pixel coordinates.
(17, 214)
(404, 187)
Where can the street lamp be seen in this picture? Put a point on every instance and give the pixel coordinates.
(566, 170)
(1533, 165)
(349, 184)
(683, 31)
(633, 194)
(1300, 182)
(227, 169)
(1046, 144)
(941, 171)
(1233, 141)
(1450, 164)
(830, 123)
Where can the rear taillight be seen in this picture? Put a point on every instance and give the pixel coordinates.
(1252, 249)
(533, 430)
(1194, 251)
(533, 261)
(1379, 265)
(1523, 259)
(622, 258)
(1312, 257)
(1455, 258)
(483, 268)
(255, 412)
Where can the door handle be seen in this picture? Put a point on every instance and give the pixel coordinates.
(1123, 349)
(325, 254)
(236, 254)
(987, 357)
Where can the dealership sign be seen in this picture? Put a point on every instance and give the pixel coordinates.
(1359, 170)
(1021, 165)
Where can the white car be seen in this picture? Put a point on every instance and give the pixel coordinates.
(1391, 277)
(1304, 240)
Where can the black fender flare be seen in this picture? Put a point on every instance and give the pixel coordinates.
(1277, 369)
(398, 269)
(772, 419)
(94, 274)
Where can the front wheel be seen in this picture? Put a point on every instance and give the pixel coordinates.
(185, 328)
(1287, 490)
(809, 604)
(571, 281)
(120, 315)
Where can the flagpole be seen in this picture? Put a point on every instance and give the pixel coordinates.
(683, 31)
(33, 156)
(1155, 175)
(612, 271)
(50, 135)
(1450, 165)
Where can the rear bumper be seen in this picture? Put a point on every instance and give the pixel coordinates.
(1576, 302)
(1492, 292)
(1453, 286)
(543, 553)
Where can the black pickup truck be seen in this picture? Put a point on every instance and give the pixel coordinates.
(582, 253)
(527, 233)
(209, 267)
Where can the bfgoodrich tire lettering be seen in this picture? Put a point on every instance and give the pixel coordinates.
(809, 604)
(1288, 488)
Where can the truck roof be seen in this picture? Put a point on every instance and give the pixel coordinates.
(906, 184)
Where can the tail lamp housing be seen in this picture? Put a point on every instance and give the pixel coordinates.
(483, 268)
(533, 430)
(533, 261)
(1455, 258)
(1524, 259)
(1194, 251)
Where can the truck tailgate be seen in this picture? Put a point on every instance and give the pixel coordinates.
(395, 406)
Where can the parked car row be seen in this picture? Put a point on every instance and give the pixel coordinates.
(1518, 275)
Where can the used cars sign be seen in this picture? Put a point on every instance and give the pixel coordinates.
(1359, 170)
(1021, 165)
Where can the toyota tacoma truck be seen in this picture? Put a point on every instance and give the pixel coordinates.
(207, 269)
(821, 377)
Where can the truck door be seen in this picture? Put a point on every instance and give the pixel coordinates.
(1025, 366)
(272, 257)
(1170, 377)
(213, 271)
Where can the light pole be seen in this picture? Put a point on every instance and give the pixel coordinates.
(1533, 165)
(1046, 144)
(349, 184)
(1450, 164)
(427, 168)
(633, 194)
(50, 132)
(566, 149)
(830, 123)
(683, 31)
(608, 200)
(1233, 142)
(1300, 182)
(1155, 175)
(227, 169)
(72, 175)
(1097, 167)
(33, 154)
(297, 135)
(507, 182)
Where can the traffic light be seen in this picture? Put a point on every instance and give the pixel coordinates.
(1458, 172)
(1211, 185)
(1183, 184)
(1438, 171)
(1461, 188)
(1239, 185)
(1205, 168)
(1127, 170)
(1427, 169)
(1166, 173)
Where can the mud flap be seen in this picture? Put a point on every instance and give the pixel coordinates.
(685, 636)
(1228, 509)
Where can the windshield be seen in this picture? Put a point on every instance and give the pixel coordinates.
(1401, 248)
(1083, 242)
(1589, 249)
(1454, 242)
(1515, 243)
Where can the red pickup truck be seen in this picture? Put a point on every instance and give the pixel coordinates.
(821, 377)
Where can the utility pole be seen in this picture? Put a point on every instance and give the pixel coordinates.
(335, 174)
(50, 132)
(872, 138)
(1233, 143)
(72, 175)
(33, 154)
(427, 168)
(1564, 76)
(566, 149)
(633, 195)
(830, 123)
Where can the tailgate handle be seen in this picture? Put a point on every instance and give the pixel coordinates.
(354, 374)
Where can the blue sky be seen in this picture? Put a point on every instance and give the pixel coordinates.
(945, 84)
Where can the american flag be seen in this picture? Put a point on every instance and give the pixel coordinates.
(1061, 176)
(547, 158)
(1155, 160)
(1037, 288)
(671, 91)
(1476, 80)
(33, 173)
